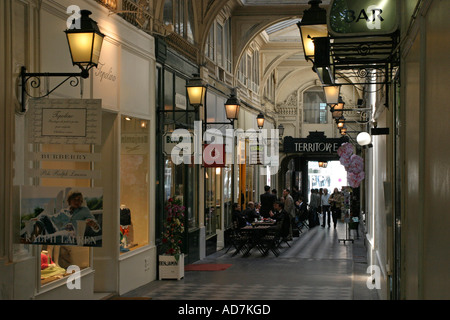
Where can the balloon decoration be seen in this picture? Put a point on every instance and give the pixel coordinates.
(354, 164)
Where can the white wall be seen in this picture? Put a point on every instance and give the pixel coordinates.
(426, 258)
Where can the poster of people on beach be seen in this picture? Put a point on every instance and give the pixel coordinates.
(61, 216)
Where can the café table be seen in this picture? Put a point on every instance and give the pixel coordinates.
(255, 238)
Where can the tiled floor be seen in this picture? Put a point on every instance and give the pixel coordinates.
(316, 267)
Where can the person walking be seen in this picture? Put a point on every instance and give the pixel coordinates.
(325, 207)
(314, 205)
(336, 201)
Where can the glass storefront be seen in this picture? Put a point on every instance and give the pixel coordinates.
(178, 181)
(134, 183)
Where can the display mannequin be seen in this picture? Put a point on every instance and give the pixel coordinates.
(126, 229)
(48, 267)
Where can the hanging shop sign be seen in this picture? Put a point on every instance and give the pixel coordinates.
(65, 121)
(256, 155)
(178, 144)
(362, 17)
(315, 143)
(214, 155)
(61, 216)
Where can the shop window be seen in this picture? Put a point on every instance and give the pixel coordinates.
(134, 183)
(180, 183)
(212, 200)
(51, 199)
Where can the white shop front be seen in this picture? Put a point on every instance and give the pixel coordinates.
(112, 117)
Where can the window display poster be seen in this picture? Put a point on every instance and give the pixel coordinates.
(61, 216)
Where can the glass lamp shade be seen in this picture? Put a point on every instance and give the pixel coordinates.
(260, 120)
(313, 25)
(232, 107)
(332, 93)
(308, 33)
(85, 43)
(232, 111)
(343, 131)
(364, 139)
(337, 109)
(196, 90)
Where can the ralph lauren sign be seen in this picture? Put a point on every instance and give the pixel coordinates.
(315, 143)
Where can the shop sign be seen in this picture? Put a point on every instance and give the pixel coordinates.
(72, 157)
(362, 17)
(256, 154)
(178, 144)
(65, 121)
(134, 143)
(65, 173)
(214, 155)
(316, 143)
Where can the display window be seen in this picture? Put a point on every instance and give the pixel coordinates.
(212, 200)
(56, 258)
(180, 183)
(134, 183)
(218, 199)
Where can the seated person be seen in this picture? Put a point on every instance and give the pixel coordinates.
(281, 217)
(301, 209)
(250, 212)
(238, 217)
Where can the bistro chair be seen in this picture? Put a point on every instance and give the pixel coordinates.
(237, 239)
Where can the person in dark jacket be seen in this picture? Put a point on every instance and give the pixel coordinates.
(238, 217)
(267, 200)
(250, 212)
(282, 218)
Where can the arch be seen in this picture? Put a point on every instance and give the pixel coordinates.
(242, 45)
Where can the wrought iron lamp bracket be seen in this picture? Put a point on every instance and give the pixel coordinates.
(34, 79)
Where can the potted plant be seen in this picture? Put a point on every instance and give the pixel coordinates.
(171, 262)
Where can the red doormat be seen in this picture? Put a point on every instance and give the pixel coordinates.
(207, 267)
